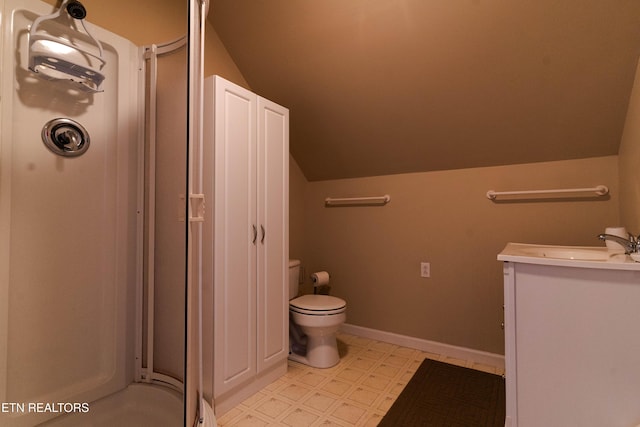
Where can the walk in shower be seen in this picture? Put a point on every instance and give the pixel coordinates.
(93, 236)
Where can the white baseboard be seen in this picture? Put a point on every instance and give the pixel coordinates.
(476, 356)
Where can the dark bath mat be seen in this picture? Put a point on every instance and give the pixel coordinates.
(444, 395)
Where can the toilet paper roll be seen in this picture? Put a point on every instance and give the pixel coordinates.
(320, 278)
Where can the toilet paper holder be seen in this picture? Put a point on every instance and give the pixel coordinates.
(319, 279)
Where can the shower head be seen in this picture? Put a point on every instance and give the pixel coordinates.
(58, 58)
(76, 10)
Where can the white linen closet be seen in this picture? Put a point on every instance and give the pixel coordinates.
(246, 239)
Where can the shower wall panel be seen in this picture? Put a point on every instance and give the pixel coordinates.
(68, 228)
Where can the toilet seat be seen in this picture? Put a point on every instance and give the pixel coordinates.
(318, 305)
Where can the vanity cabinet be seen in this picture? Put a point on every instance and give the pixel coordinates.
(572, 355)
(246, 245)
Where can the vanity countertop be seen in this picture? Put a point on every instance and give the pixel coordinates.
(568, 256)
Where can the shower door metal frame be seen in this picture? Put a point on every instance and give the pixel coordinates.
(144, 368)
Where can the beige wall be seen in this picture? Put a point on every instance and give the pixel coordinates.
(217, 59)
(297, 223)
(374, 253)
(630, 163)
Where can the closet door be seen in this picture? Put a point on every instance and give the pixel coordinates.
(273, 247)
(235, 236)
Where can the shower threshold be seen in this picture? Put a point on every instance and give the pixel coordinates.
(137, 405)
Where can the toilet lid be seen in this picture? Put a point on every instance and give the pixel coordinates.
(318, 303)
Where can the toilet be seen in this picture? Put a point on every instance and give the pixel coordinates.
(313, 323)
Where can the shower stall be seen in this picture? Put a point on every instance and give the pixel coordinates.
(97, 311)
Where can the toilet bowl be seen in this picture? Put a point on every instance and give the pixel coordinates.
(314, 321)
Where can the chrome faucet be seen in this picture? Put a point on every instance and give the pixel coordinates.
(631, 244)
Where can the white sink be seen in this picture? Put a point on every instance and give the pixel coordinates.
(569, 252)
(575, 256)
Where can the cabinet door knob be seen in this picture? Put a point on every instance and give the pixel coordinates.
(263, 233)
(255, 234)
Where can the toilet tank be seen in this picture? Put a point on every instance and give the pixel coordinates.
(294, 278)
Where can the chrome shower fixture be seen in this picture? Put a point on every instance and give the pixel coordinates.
(76, 10)
(65, 137)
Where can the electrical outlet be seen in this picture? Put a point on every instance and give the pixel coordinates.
(425, 269)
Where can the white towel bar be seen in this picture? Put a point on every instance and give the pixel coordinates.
(354, 201)
(600, 190)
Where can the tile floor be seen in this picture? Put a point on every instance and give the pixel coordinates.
(356, 392)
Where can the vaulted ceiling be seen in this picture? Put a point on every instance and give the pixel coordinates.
(378, 87)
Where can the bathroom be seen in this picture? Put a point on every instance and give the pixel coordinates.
(440, 216)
